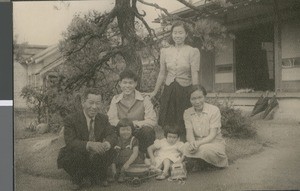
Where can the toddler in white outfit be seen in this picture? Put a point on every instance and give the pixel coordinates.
(164, 152)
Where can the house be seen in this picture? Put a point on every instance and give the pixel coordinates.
(40, 66)
(36, 70)
(21, 74)
(44, 66)
(265, 54)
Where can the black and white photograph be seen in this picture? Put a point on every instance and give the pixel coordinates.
(156, 95)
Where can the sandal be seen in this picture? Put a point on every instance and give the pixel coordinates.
(121, 178)
(162, 176)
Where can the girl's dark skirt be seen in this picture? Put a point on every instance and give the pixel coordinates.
(174, 100)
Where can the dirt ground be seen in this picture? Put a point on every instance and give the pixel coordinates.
(277, 167)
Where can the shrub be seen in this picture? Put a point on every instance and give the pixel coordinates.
(234, 124)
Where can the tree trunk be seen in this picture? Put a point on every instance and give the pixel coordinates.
(126, 23)
(39, 112)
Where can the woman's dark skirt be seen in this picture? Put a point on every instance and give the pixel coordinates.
(174, 100)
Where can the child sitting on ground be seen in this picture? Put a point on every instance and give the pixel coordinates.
(163, 153)
(127, 149)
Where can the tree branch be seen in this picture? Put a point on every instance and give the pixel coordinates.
(156, 6)
(189, 5)
(169, 15)
(104, 24)
(149, 29)
(81, 47)
(198, 10)
(79, 80)
(106, 21)
(136, 10)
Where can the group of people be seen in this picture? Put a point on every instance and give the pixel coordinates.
(126, 135)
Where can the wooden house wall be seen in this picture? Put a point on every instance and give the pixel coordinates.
(290, 40)
(224, 65)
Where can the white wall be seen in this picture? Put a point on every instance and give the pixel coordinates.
(20, 80)
(290, 39)
(224, 57)
(290, 49)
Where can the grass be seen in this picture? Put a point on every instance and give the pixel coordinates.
(22, 121)
(240, 148)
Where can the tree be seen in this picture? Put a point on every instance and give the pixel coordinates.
(97, 46)
(36, 100)
(92, 41)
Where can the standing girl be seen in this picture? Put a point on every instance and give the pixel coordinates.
(167, 151)
(179, 68)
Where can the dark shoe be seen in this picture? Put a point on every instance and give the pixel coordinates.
(75, 186)
(105, 183)
(76, 183)
(110, 179)
(86, 182)
(121, 178)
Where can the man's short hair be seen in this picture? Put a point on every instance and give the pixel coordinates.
(128, 74)
(88, 91)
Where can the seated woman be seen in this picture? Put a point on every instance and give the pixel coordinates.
(132, 105)
(203, 128)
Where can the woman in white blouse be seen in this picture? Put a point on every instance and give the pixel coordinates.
(179, 68)
(203, 130)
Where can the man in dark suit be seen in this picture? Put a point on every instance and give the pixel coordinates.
(89, 142)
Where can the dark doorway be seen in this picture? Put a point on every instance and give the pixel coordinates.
(254, 58)
(206, 74)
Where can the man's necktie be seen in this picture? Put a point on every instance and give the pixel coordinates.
(92, 133)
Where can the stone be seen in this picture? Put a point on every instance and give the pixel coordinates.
(42, 128)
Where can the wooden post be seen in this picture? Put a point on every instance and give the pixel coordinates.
(277, 48)
(234, 65)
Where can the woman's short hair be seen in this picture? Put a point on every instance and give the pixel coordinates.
(128, 74)
(173, 129)
(124, 123)
(186, 28)
(197, 87)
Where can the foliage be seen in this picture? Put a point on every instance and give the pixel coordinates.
(234, 124)
(81, 57)
(52, 104)
(36, 100)
(49, 104)
(223, 3)
(93, 40)
(212, 34)
(97, 46)
(18, 50)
